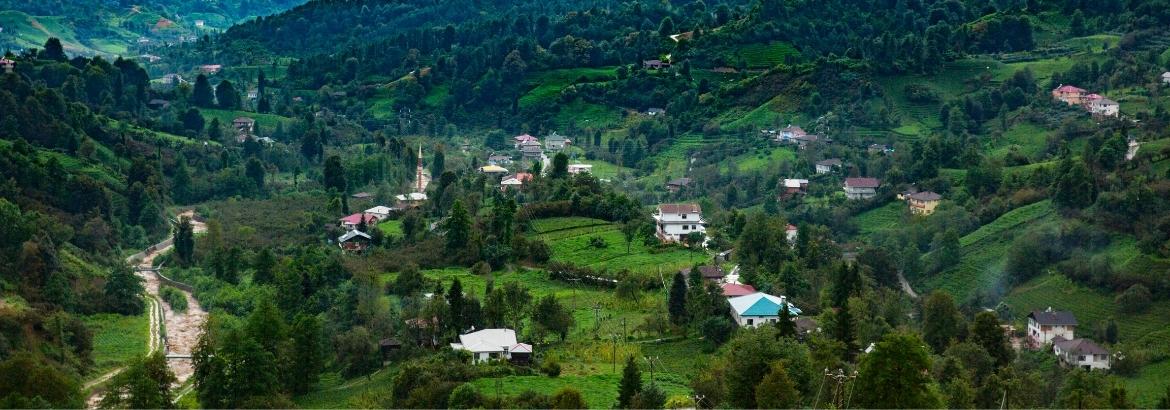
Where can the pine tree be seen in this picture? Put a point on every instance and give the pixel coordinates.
(254, 169)
(202, 96)
(334, 175)
(308, 351)
(264, 265)
(560, 166)
(776, 390)
(455, 306)
(458, 226)
(630, 385)
(54, 50)
(785, 324)
(677, 304)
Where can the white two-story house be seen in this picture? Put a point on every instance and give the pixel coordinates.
(861, 188)
(676, 221)
(1044, 325)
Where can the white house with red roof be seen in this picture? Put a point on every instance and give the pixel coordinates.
(1071, 95)
(791, 232)
(861, 188)
(519, 140)
(352, 222)
(7, 64)
(676, 221)
(1101, 106)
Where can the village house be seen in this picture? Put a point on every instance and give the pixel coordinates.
(828, 165)
(655, 64)
(803, 141)
(1071, 95)
(875, 149)
(352, 222)
(1101, 106)
(791, 233)
(411, 200)
(1083, 353)
(676, 221)
(354, 241)
(580, 169)
(708, 272)
(499, 159)
(7, 64)
(789, 133)
(794, 187)
(1044, 325)
(210, 68)
(172, 80)
(362, 195)
(531, 151)
(923, 203)
(731, 290)
(150, 58)
(1166, 78)
(381, 212)
(199, 23)
(555, 142)
(758, 309)
(676, 185)
(515, 180)
(244, 125)
(493, 170)
(520, 140)
(493, 344)
(654, 111)
(861, 188)
(158, 104)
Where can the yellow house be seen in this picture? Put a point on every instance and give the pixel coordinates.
(923, 203)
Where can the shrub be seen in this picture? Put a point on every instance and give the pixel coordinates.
(550, 367)
(1136, 299)
(175, 298)
(539, 251)
(568, 398)
(464, 397)
(598, 242)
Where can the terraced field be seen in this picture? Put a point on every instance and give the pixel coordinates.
(1091, 306)
(572, 245)
(880, 219)
(982, 265)
(763, 55)
(547, 85)
(117, 339)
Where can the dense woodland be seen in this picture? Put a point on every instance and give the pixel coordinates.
(97, 160)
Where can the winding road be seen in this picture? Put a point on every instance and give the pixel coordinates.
(176, 332)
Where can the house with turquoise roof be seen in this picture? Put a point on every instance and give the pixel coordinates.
(759, 308)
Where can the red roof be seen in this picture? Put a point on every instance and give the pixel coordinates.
(523, 176)
(862, 182)
(679, 208)
(791, 227)
(735, 289)
(357, 219)
(1094, 97)
(524, 138)
(1069, 89)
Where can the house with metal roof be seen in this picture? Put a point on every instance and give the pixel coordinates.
(1083, 353)
(759, 308)
(493, 344)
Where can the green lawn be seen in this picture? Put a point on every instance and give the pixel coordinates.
(762, 159)
(117, 339)
(573, 246)
(556, 224)
(547, 85)
(599, 390)
(1026, 137)
(583, 114)
(391, 227)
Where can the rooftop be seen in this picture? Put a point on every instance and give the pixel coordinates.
(862, 182)
(1053, 317)
(680, 208)
(925, 196)
(760, 304)
(487, 340)
(1080, 346)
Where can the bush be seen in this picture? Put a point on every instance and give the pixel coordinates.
(550, 367)
(175, 298)
(539, 251)
(598, 242)
(920, 93)
(568, 398)
(464, 397)
(717, 329)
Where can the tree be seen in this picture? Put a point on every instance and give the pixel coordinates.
(334, 175)
(1164, 402)
(651, 397)
(54, 50)
(28, 380)
(630, 385)
(550, 315)
(749, 356)
(226, 96)
(438, 163)
(308, 353)
(202, 96)
(458, 226)
(1074, 187)
(1136, 299)
(666, 27)
(264, 267)
(123, 292)
(409, 280)
(144, 384)
(455, 306)
(184, 242)
(717, 329)
(986, 332)
(677, 302)
(193, 120)
(464, 397)
(941, 321)
(896, 375)
(254, 169)
(785, 325)
(776, 390)
(560, 166)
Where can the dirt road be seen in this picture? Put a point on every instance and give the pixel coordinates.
(181, 329)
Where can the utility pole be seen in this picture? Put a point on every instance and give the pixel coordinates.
(650, 360)
(596, 317)
(614, 352)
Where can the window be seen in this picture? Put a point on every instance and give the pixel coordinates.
(1081, 358)
(684, 216)
(749, 322)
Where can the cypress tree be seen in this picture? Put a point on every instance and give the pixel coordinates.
(226, 95)
(785, 324)
(678, 300)
(630, 385)
(202, 96)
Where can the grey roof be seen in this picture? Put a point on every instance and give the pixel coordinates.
(862, 182)
(830, 161)
(925, 196)
(1081, 346)
(351, 234)
(679, 182)
(707, 272)
(531, 149)
(1053, 317)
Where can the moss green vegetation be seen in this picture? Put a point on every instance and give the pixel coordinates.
(1091, 306)
(391, 227)
(587, 115)
(600, 390)
(117, 339)
(267, 222)
(762, 159)
(984, 250)
(547, 85)
(1148, 386)
(1023, 137)
(763, 55)
(573, 246)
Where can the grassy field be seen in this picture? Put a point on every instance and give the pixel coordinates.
(1030, 139)
(587, 115)
(547, 85)
(117, 339)
(1149, 385)
(270, 222)
(763, 55)
(763, 159)
(1091, 306)
(880, 219)
(599, 390)
(572, 245)
(24, 31)
(391, 227)
(983, 252)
